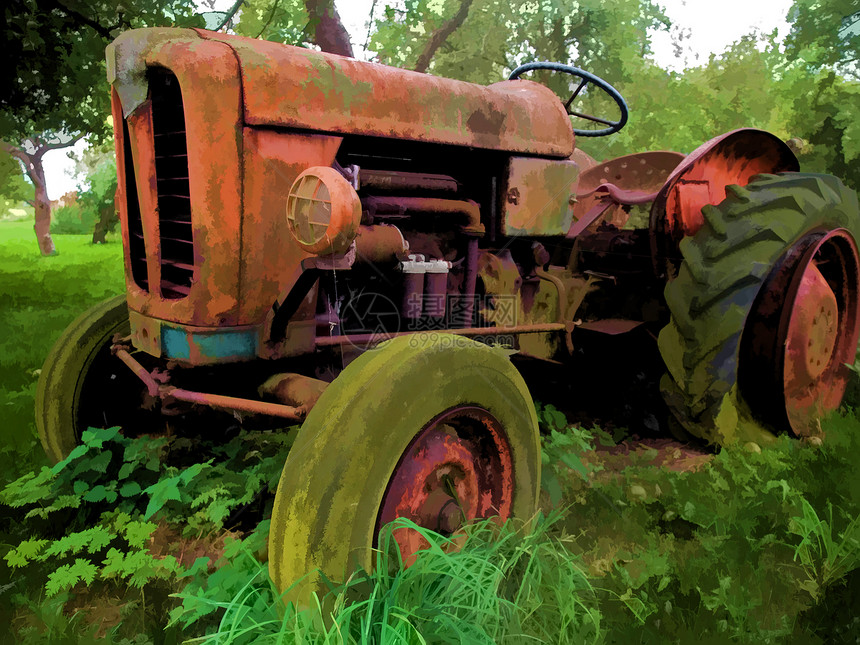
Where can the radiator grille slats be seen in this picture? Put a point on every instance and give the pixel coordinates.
(174, 195)
(136, 250)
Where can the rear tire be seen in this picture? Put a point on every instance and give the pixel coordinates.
(732, 300)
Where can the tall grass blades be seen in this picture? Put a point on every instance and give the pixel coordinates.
(825, 557)
(508, 584)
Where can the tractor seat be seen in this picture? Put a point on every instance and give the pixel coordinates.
(620, 196)
(631, 180)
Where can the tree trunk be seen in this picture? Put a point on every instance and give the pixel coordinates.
(107, 222)
(30, 154)
(329, 32)
(438, 37)
(36, 172)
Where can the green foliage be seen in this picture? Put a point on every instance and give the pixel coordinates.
(72, 219)
(114, 549)
(283, 22)
(129, 476)
(96, 173)
(237, 571)
(498, 36)
(13, 187)
(85, 482)
(825, 33)
(54, 60)
(104, 484)
(823, 112)
(561, 451)
(706, 551)
(52, 625)
(825, 557)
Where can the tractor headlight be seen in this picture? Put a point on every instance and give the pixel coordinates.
(323, 211)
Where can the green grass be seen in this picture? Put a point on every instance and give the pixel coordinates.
(39, 297)
(505, 584)
(732, 553)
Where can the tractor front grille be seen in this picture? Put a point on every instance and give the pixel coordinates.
(174, 196)
(136, 247)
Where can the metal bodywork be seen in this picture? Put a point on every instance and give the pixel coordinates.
(539, 196)
(238, 95)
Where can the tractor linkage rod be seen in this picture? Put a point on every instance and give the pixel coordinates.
(202, 398)
(361, 339)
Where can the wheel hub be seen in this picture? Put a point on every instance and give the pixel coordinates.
(456, 470)
(813, 330)
(801, 332)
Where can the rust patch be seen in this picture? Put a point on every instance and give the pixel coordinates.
(539, 193)
(208, 75)
(457, 469)
(486, 122)
(300, 88)
(731, 158)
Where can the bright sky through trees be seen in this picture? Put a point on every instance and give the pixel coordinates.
(706, 27)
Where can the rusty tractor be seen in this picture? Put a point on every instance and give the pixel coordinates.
(285, 210)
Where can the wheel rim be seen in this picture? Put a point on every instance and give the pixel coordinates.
(805, 327)
(457, 469)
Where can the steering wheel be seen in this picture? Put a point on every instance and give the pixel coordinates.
(587, 77)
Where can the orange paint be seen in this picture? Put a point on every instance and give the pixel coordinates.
(294, 87)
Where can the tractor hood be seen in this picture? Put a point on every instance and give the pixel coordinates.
(285, 86)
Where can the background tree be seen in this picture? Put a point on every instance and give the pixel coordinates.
(14, 189)
(326, 27)
(53, 76)
(96, 175)
(56, 83)
(820, 80)
(294, 22)
(496, 36)
(30, 152)
(826, 33)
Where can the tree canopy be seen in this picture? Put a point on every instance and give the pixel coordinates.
(54, 70)
(826, 33)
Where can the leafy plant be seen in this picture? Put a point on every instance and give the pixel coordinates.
(115, 549)
(562, 450)
(236, 572)
(113, 485)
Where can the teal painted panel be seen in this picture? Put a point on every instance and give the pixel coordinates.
(174, 343)
(218, 346)
(227, 344)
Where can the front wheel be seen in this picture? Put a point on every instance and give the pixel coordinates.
(764, 309)
(441, 432)
(81, 384)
